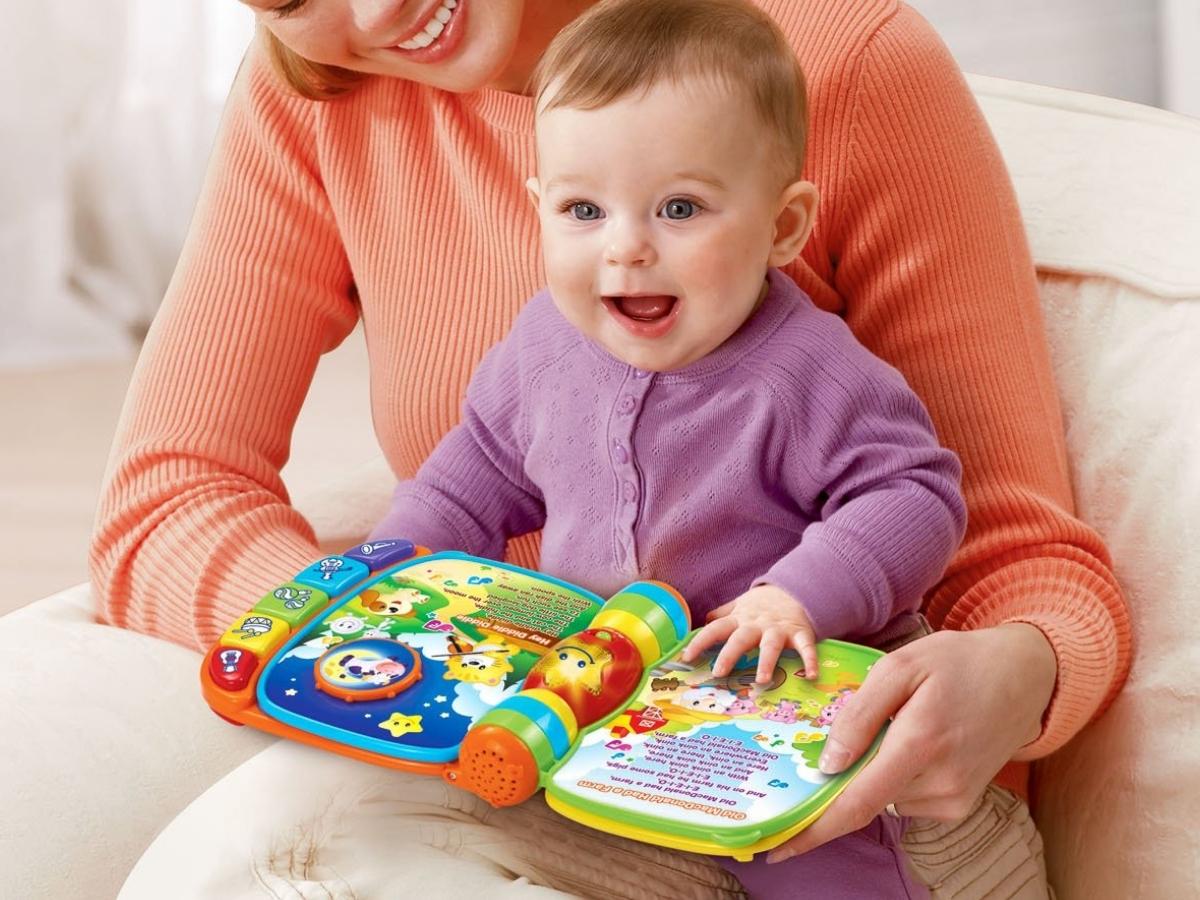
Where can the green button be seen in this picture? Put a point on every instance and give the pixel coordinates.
(293, 602)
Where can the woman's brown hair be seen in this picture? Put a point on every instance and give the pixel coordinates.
(315, 81)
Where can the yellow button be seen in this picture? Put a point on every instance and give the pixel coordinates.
(258, 633)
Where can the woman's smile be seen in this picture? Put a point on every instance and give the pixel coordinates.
(436, 34)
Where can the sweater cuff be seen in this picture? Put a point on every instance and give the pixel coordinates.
(263, 561)
(816, 578)
(1064, 600)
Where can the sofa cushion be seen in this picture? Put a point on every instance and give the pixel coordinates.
(105, 738)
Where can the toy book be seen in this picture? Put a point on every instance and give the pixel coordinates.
(507, 681)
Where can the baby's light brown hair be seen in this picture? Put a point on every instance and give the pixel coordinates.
(623, 47)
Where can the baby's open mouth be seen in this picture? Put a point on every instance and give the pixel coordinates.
(643, 307)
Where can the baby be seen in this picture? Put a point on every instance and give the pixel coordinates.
(673, 406)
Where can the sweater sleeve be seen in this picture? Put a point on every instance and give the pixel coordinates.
(472, 492)
(937, 278)
(889, 510)
(194, 522)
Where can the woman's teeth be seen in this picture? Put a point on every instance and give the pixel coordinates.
(432, 29)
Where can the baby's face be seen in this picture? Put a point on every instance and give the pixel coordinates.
(658, 219)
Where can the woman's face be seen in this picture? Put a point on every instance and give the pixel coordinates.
(456, 45)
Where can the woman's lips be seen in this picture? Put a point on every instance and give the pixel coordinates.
(446, 41)
(644, 315)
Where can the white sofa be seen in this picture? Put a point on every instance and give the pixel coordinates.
(106, 743)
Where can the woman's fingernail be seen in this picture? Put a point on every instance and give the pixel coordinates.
(833, 758)
(778, 856)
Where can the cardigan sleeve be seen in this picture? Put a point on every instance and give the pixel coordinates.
(889, 512)
(194, 522)
(472, 493)
(935, 272)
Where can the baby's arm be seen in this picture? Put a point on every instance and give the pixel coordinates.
(863, 461)
(888, 509)
(464, 497)
(472, 493)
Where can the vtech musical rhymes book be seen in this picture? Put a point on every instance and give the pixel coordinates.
(505, 681)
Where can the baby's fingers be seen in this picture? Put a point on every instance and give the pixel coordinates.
(712, 633)
(738, 643)
(769, 648)
(805, 643)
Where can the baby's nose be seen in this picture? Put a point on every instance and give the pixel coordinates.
(629, 245)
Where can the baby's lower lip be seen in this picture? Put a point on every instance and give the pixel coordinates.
(643, 327)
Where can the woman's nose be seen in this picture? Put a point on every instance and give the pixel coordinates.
(628, 245)
(373, 16)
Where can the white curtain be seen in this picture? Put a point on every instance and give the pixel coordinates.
(107, 121)
(1180, 30)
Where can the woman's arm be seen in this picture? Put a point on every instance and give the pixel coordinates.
(194, 521)
(937, 278)
(932, 262)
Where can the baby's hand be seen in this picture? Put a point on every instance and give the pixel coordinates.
(764, 616)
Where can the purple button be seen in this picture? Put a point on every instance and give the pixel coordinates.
(619, 453)
(629, 491)
(376, 555)
(627, 405)
(640, 373)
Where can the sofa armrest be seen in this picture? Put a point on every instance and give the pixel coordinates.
(1109, 192)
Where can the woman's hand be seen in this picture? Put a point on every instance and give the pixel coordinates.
(765, 617)
(962, 703)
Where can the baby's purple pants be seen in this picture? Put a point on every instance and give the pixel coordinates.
(868, 863)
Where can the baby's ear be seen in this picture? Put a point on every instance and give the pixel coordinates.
(797, 210)
(535, 191)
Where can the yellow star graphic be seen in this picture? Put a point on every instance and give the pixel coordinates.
(399, 725)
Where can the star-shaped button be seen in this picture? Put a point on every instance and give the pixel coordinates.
(291, 692)
(399, 725)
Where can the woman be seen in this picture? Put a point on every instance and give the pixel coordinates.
(393, 191)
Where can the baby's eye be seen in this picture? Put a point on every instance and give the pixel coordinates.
(679, 209)
(584, 211)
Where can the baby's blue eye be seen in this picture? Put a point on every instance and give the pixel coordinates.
(585, 212)
(679, 209)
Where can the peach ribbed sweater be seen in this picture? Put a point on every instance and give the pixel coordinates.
(405, 206)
